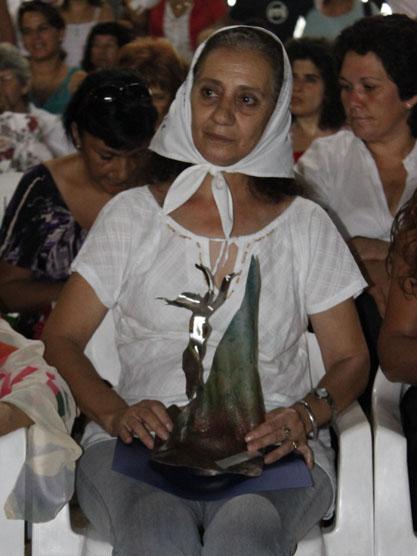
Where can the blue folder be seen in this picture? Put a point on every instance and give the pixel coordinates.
(133, 460)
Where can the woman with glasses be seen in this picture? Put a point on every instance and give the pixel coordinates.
(109, 120)
(53, 82)
(217, 247)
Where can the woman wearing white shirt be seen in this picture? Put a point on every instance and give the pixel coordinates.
(364, 175)
(230, 201)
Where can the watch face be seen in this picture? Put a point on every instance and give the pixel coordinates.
(321, 393)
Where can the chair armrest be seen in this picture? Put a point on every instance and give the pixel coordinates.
(393, 523)
(352, 531)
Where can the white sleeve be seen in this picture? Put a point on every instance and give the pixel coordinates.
(313, 171)
(104, 258)
(332, 275)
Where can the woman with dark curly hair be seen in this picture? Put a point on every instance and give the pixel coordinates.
(315, 105)
(364, 175)
(398, 338)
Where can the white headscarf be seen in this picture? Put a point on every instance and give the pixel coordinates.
(271, 157)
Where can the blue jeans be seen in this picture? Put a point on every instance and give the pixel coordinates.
(140, 520)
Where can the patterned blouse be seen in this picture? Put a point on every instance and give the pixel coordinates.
(21, 142)
(39, 233)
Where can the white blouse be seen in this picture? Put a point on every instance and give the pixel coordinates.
(344, 179)
(135, 254)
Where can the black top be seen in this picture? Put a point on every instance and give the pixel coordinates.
(279, 16)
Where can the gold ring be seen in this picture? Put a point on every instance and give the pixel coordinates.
(294, 444)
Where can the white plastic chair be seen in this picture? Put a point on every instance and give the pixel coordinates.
(393, 522)
(58, 537)
(352, 531)
(12, 456)
(8, 184)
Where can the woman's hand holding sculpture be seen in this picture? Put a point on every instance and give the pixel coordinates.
(142, 420)
(284, 428)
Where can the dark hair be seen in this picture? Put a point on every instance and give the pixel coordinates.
(393, 39)
(115, 106)
(248, 38)
(157, 61)
(51, 14)
(120, 32)
(320, 52)
(404, 244)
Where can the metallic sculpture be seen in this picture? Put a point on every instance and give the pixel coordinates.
(201, 308)
(222, 410)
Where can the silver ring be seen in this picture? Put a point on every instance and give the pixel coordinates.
(287, 432)
(294, 444)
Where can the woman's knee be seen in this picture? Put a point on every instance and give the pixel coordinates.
(247, 524)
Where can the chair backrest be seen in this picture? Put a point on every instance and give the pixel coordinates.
(8, 184)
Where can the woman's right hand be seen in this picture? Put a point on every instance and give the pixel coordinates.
(142, 420)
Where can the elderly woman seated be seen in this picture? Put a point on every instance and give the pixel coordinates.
(219, 230)
(15, 81)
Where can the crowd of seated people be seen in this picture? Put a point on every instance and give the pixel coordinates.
(343, 109)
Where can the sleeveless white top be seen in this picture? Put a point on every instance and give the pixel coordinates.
(75, 38)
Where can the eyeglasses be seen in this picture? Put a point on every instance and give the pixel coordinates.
(108, 94)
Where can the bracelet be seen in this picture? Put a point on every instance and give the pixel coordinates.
(312, 435)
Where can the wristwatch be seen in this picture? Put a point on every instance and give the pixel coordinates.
(322, 393)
